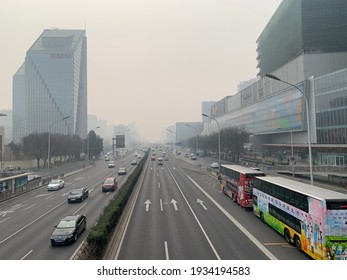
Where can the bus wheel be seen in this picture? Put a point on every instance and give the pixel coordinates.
(287, 236)
(297, 242)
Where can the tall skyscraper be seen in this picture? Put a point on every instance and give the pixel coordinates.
(52, 85)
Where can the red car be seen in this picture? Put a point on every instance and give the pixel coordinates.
(110, 185)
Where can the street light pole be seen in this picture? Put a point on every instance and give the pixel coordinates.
(307, 120)
(1, 152)
(171, 136)
(218, 138)
(197, 137)
(49, 141)
(87, 157)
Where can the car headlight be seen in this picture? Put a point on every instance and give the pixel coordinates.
(69, 235)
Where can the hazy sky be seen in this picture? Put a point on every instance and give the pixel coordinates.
(150, 62)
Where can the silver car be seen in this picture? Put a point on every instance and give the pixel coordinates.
(55, 185)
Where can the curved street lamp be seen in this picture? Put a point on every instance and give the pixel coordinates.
(49, 141)
(171, 135)
(218, 138)
(307, 120)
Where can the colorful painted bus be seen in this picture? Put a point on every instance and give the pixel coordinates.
(311, 218)
(237, 183)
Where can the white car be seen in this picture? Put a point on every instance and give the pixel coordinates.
(122, 171)
(214, 165)
(55, 185)
(111, 164)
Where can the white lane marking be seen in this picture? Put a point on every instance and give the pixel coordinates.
(161, 205)
(29, 206)
(158, 185)
(197, 220)
(80, 208)
(33, 221)
(232, 219)
(4, 220)
(166, 251)
(27, 254)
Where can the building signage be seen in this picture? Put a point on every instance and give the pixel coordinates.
(120, 141)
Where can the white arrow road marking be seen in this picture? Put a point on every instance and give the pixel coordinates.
(3, 213)
(12, 209)
(43, 194)
(79, 178)
(174, 202)
(148, 202)
(201, 203)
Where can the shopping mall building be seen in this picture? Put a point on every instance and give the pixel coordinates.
(304, 45)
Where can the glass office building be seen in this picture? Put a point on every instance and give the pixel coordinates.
(53, 83)
(305, 45)
(302, 27)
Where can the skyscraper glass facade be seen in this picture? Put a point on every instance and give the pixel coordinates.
(56, 83)
(331, 107)
(302, 26)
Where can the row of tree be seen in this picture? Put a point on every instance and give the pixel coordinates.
(232, 142)
(61, 148)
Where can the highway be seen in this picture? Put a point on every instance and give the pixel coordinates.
(179, 213)
(27, 221)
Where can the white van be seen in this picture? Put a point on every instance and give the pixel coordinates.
(160, 161)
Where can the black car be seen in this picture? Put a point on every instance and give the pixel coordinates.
(68, 230)
(78, 195)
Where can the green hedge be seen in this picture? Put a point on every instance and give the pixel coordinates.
(100, 234)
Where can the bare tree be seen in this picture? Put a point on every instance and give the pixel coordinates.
(35, 145)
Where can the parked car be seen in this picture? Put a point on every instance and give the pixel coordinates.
(122, 171)
(55, 185)
(111, 164)
(110, 185)
(214, 165)
(77, 195)
(68, 230)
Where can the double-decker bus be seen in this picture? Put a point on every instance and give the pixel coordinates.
(237, 183)
(314, 219)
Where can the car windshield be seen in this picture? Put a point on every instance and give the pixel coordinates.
(109, 181)
(77, 191)
(66, 224)
(55, 182)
